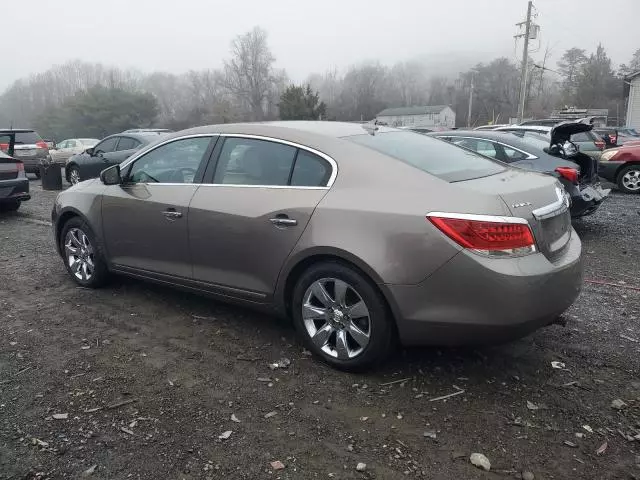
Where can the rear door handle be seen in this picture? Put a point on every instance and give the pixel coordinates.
(172, 214)
(283, 222)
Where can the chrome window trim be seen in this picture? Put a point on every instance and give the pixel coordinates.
(479, 218)
(530, 156)
(331, 161)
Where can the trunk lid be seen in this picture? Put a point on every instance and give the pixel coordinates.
(539, 199)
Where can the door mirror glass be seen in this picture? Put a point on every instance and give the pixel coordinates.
(111, 175)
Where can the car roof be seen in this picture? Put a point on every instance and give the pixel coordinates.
(316, 128)
(541, 128)
(4, 131)
(141, 136)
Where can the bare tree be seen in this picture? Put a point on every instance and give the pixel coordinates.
(248, 75)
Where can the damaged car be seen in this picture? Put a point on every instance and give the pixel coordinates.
(554, 155)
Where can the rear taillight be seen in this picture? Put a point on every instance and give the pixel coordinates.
(41, 144)
(20, 166)
(4, 146)
(486, 234)
(600, 144)
(568, 173)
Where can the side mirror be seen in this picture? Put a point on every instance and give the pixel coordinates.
(89, 151)
(111, 175)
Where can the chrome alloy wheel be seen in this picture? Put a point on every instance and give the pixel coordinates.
(79, 253)
(74, 176)
(336, 318)
(631, 180)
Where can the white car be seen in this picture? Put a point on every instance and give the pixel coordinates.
(72, 146)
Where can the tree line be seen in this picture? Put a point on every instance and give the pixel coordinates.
(86, 99)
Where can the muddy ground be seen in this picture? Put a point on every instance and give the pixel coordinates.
(138, 381)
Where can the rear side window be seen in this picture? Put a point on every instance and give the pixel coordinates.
(107, 145)
(310, 170)
(247, 161)
(434, 156)
(127, 143)
(483, 147)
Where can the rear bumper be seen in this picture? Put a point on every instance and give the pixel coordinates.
(608, 170)
(17, 189)
(586, 199)
(475, 300)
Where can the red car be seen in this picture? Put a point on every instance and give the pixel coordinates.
(622, 166)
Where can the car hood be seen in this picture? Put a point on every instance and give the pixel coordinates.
(562, 132)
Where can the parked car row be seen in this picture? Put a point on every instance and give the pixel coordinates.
(616, 148)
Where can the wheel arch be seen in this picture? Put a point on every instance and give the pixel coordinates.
(298, 264)
(63, 218)
(626, 164)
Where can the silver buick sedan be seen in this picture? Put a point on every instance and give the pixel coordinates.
(365, 236)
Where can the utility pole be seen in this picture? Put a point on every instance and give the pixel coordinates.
(470, 102)
(525, 60)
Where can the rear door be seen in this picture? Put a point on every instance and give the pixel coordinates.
(244, 223)
(127, 146)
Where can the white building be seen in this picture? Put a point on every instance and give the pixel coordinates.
(633, 105)
(428, 116)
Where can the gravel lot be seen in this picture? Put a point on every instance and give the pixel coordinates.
(138, 381)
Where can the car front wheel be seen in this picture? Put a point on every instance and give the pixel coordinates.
(342, 317)
(629, 179)
(82, 254)
(74, 175)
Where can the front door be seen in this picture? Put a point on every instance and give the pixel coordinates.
(145, 218)
(103, 152)
(244, 224)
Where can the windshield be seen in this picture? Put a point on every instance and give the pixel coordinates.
(430, 155)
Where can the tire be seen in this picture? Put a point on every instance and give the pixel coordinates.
(628, 179)
(74, 175)
(91, 271)
(338, 337)
(11, 206)
(37, 173)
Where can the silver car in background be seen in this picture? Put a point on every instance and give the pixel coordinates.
(363, 235)
(69, 147)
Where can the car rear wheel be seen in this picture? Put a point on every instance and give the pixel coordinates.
(82, 254)
(37, 173)
(629, 179)
(11, 206)
(74, 175)
(342, 317)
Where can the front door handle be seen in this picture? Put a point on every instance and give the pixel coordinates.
(283, 222)
(172, 214)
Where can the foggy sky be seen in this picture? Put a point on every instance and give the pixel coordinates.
(305, 36)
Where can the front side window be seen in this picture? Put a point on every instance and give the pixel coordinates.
(248, 161)
(127, 143)
(175, 162)
(106, 146)
(63, 144)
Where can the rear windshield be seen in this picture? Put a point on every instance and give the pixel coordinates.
(431, 155)
(535, 139)
(27, 138)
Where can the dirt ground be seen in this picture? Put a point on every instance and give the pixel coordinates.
(138, 381)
